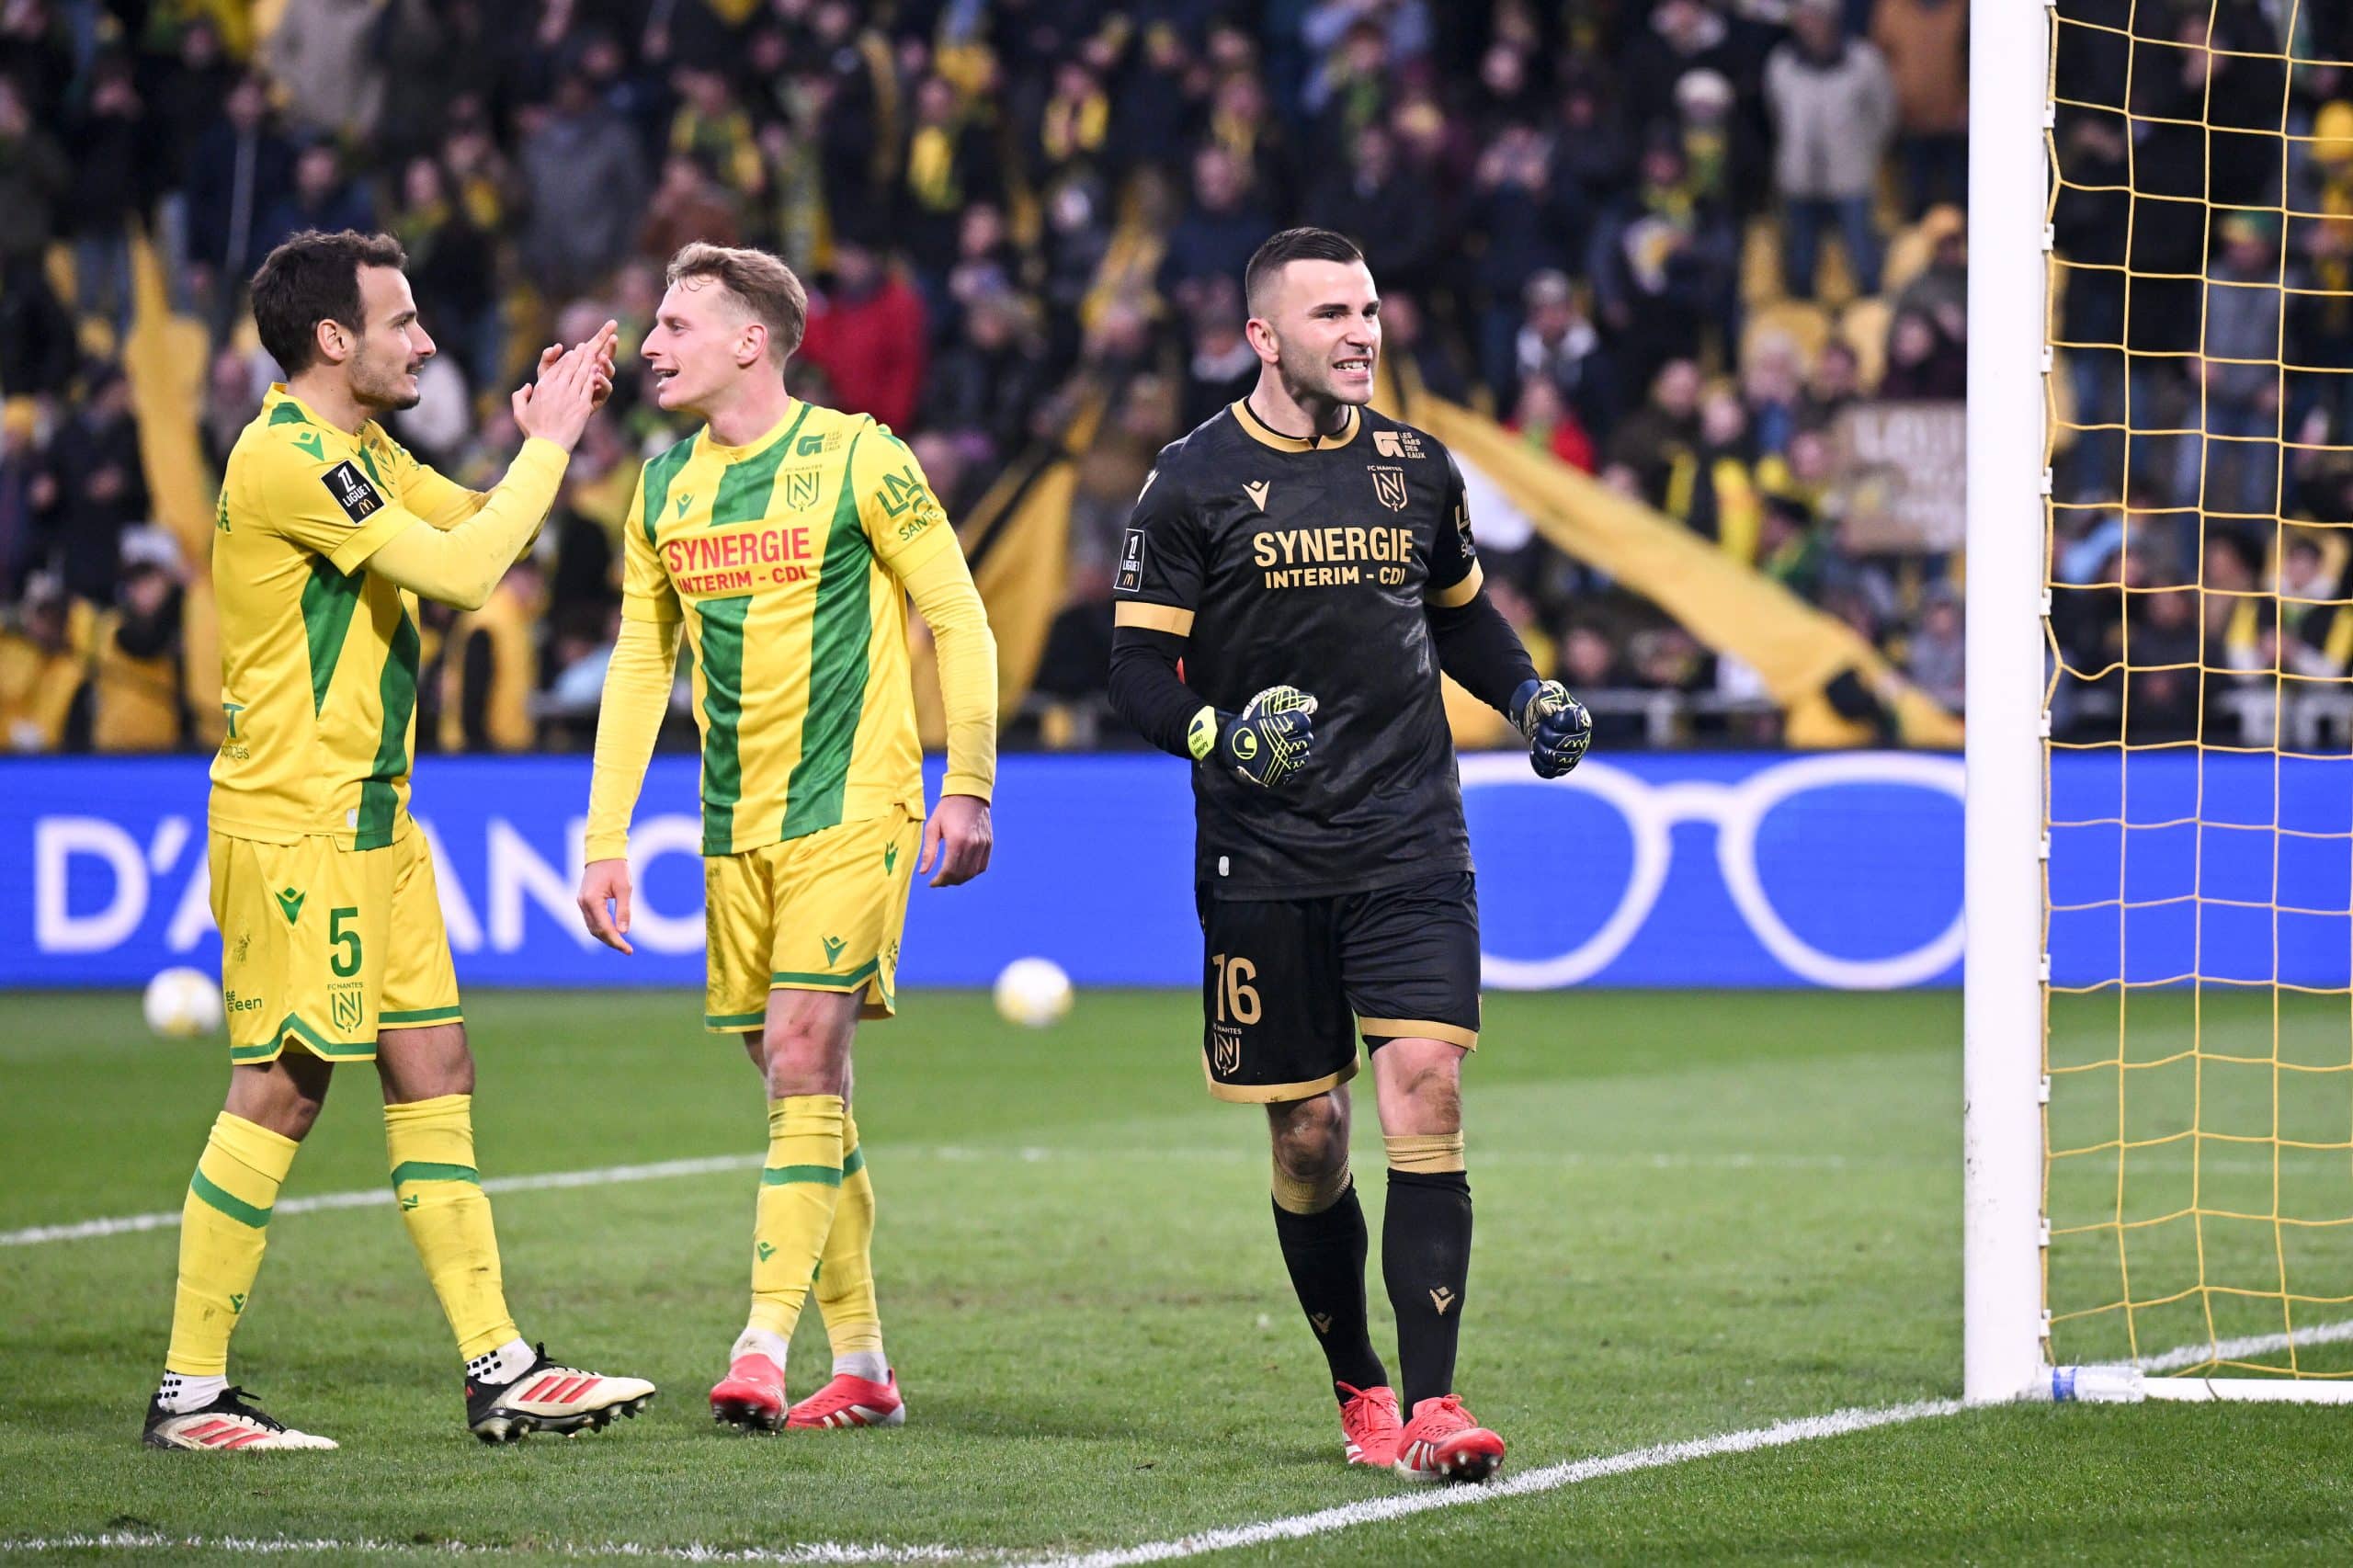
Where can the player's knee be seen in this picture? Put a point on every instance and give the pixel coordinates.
(1311, 1144)
(425, 1063)
(807, 1052)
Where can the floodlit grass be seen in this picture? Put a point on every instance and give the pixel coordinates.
(1695, 1214)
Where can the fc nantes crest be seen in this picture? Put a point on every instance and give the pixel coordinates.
(1389, 483)
(801, 487)
(348, 1005)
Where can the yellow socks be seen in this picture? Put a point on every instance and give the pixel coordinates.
(846, 1276)
(431, 1144)
(224, 1226)
(800, 1190)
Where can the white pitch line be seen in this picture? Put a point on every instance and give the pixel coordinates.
(370, 1197)
(2241, 1349)
(1550, 1478)
(823, 1552)
(1240, 1152)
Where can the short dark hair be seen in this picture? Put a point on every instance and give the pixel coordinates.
(312, 278)
(1294, 244)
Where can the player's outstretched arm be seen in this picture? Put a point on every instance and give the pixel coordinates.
(629, 720)
(461, 565)
(445, 503)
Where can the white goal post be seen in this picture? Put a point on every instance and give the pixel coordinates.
(2008, 1349)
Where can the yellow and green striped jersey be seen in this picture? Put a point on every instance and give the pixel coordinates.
(318, 654)
(784, 557)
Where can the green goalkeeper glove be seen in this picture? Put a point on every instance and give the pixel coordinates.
(1266, 743)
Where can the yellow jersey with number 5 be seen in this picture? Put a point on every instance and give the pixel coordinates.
(784, 558)
(318, 654)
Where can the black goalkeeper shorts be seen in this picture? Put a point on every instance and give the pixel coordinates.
(1288, 985)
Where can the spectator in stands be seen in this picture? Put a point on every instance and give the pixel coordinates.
(1394, 208)
(949, 165)
(586, 178)
(1558, 343)
(2166, 678)
(21, 462)
(2234, 386)
(1516, 211)
(1543, 418)
(1221, 365)
(1922, 363)
(1218, 232)
(322, 198)
(136, 701)
(986, 383)
(34, 176)
(866, 334)
(1664, 269)
(1652, 439)
(1926, 44)
(1937, 659)
(490, 670)
(1591, 153)
(687, 205)
(325, 55)
(1683, 35)
(1833, 108)
(111, 186)
(1414, 352)
(1836, 382)
(452, 268)
(41, 675)
(97, 487)
(38, 345)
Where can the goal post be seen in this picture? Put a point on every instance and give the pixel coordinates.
(2158, 1012)
(2002, 1009)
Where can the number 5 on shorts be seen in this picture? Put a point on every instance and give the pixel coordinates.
(348, 955)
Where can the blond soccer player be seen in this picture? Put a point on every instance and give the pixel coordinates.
(784, 539)
(328, 531)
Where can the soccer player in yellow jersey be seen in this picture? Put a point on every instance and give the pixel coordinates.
(785, 540)
(333, 948)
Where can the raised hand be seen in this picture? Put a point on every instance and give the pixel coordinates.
(1555, 725)
(556, 408)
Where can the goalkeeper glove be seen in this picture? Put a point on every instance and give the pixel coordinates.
(1266, 743)
(1555, 725)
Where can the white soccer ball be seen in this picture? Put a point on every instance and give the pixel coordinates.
(182, 1002)
(1033, 991)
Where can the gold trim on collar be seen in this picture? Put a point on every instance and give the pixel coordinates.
(1265, 435)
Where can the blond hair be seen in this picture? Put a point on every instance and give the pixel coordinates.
(760, 282)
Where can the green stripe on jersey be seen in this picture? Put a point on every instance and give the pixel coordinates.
(784, 1175)
(288, 413)
(426, 1170)
(205, 1191)
(658, 476)
(380, 798)
(744, 487)
(328, 599)
(721, 652)
(839, 630)
(806, 981)
(853, 1163)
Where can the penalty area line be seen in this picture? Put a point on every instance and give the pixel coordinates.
(1550, 1478)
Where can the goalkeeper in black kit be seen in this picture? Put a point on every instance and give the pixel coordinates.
(1297, 572)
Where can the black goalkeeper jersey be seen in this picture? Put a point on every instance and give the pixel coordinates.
(1308, 563)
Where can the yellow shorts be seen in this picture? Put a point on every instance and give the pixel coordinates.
(322, 945)
(820, 913)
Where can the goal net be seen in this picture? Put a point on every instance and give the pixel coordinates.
(2193, 1219)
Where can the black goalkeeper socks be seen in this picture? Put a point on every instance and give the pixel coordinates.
(1425, 1262)
(1324, 1253)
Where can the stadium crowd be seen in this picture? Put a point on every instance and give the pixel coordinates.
(1669, 242)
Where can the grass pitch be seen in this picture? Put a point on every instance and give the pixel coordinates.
(1696, 1215)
